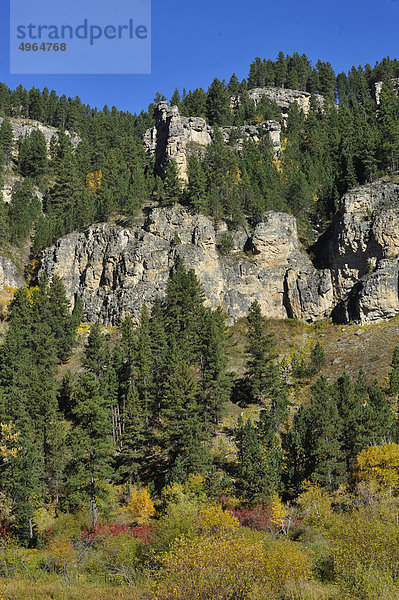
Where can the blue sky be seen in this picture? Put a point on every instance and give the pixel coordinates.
(194, 41)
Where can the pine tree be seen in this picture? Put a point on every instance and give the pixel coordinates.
(261, 374)
(6, 139)
(197, 183)
(234, 85)
(184, 311)
(32, 159)
(394, 374)
(256, 481)
(351, 413)
(326, 450)
(183, 434)
(24, 210)
(218, 104)
(173, 184)
(59, 317)
(175, 99)
(143, 362)
(94, 351)
(215, 381)
(134, 454)
(90, 442)
(380, 417)
(388, 121)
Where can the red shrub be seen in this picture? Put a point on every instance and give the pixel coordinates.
(255, 518)
(104, 530)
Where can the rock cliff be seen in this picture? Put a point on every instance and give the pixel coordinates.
(175, 137)
(116, 269)
(361, 248)
(282, 97)
(10, 275)
(21, 127)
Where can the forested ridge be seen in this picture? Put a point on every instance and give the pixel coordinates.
(149, 460)
(324, 155)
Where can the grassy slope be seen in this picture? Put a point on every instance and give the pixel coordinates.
(347, 347)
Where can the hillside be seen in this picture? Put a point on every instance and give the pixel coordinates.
(199, 354)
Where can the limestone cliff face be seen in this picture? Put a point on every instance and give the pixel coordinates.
(22, 127)
(116, 269)
(175, 137)
(10, 276)
(283, 98)
(361, 247)
(255, 133)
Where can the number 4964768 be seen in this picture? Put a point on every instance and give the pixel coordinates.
(44, 47)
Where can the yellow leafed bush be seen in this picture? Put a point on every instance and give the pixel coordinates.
(379, 465)
(214, 521)
(366, 555)
(315, 505)
(228, 567)
(61, 552)
(140, 506)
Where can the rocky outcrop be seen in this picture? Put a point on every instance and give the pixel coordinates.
(361, 247)
(254, 133)
(116, 269)
(378, 87)
(10, 276)
(282, 97)
(175, 137)
(22, 127)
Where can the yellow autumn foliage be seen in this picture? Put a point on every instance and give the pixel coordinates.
(366, 555)
(140, 507)
(279, 514)
(226, 567)
(8, 441)
(94, 181)
(379, 465)
(315, 505)
(61, 552)
(32, 294)
(214, 521)
(193, 488)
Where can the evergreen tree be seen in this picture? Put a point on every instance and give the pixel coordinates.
(6, 139)
(327, 424)
(218, 104)
(24, 210)
(261, 374)
(173, 183)
(256, 481)
(134, 454)
(32, 159)
(183, 429)
(94, 351)
(91, 446)
(59, 317)
(234, 85)
(215, 381)
(197, 184)
(184, 311)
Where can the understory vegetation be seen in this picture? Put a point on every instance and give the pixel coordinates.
(155, 471)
